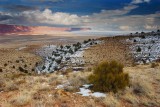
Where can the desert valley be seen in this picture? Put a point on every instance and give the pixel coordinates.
(54, 71)
(79, 53)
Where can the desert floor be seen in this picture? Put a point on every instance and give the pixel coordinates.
(15, 41)
(112, 48)
(28, 89)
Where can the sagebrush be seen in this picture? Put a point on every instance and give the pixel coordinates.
(109, 77)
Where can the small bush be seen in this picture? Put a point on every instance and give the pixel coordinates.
(13, 67)
(44, 67)
(139, 49)
(58, 61)
(85, 41)
(143, 37)
(17, 61)
(5, 64)
(33, 69)
(134, 40)
(61, 46)
(153, 65)
(25, 65)
(36, 64)
(1, 70)
(153, 41)
(109, 77)
(21, 69)
(71, 51)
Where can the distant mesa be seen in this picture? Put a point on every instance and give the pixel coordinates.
(13, 28)
(79, 29)
(20, 29)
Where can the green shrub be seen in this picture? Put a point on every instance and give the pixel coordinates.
(139, 49)
(70, 51)
(1, 70)
(109, 76)
(25, 65)
(13, 67)
(134, 40)
(21, 69)
(85, 41)
(61, 47)
(17, 61)
(33, 69)
(5, 64)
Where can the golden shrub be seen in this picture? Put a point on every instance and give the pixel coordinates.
(109, 76)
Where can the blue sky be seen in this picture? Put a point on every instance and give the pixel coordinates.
(96, 14)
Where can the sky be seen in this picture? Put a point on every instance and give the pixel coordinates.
(99, 15)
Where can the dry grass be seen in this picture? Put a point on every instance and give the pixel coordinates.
(111, 101)
(153, 65)
(143, 88)
(76, 80)
(11, 86)
(131, 98)
(113, 48)
(11, 60)
(22, 99)
(40, 90)
(20, 89)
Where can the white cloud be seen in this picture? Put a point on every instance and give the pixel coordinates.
(117, 12)
(125, 28)
(105, 20)
(46, 17)
(140, 1)
(151, 27)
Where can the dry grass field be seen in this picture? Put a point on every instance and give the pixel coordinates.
(27, 89)
(113, 48)
(23, 90)
(11, 60)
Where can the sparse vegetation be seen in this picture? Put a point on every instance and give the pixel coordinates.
(13, 67)
(21, 69)
(10, 86)
(142, 88)
(25, 65)
(23, 90)
(111, 101)
(153, 65)
(138, 49)
(17, 61)
(1, 70)
(109, 76)
(134, 40)
(21, 100)
(5, 64)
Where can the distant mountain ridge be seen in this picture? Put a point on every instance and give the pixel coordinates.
(20, 29)
(13, 28)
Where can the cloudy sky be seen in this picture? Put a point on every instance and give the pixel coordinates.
(101, 15)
